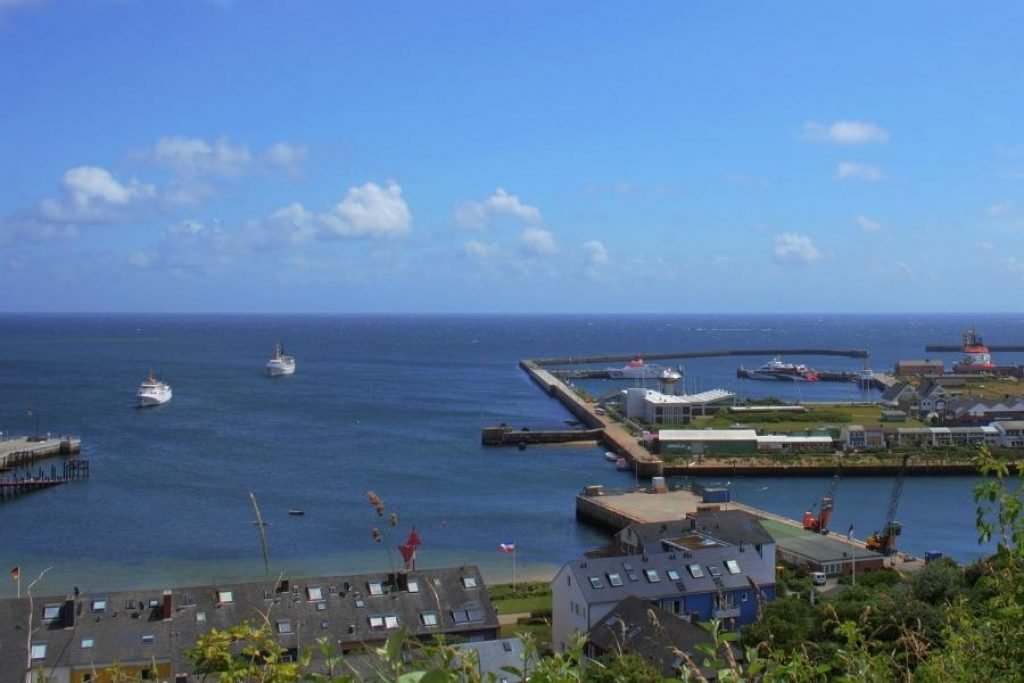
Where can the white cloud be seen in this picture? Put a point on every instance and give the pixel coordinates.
(91, 194)
(477, 250)
(286, 158)
(195, 157)
(597, 253)
(844, 133)
(847, 170)
(906, 270)
(1003, 209)
(538, 241)
(478, 214)
(793, 248)
(369, 211)
(1014, 265)
(868, 225)
(985, 246)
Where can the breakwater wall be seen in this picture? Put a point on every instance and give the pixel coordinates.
(506, 436)
(711, 353)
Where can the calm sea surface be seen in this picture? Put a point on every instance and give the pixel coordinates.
(390, 404)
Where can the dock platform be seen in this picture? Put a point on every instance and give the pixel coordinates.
(24, 450)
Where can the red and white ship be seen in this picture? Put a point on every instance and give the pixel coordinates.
(976, 356)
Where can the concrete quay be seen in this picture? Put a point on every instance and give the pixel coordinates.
(713, 353)
(613, 435)
(24, 450)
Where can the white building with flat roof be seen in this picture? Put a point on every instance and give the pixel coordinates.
(653, 407)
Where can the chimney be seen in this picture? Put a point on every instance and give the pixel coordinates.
(168, 607)
(69, 613)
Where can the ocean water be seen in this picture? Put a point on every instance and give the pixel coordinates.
(392, 404)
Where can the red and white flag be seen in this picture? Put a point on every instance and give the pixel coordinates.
(507, 547)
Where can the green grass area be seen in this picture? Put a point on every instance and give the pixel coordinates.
(822, 415)
(528, 596)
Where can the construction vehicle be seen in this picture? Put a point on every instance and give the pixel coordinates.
(884, 541)
(820, 521)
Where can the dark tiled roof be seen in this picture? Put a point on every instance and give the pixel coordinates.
(732, 526)
(648, 576)
(634, 626)
(337, 607)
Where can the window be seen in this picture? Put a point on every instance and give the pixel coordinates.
(360, 603)
(147, 639)
(324, 624)
(672, 574)
(414, 586)
(200, 616)
(87, 643)
(695, 571)
(130, 604)
(732, 566)
(714, 571)
(743, 597)
(475, 615)
(375, 587)
(314, 593)
(632, 576)
(38, 650)
(377, 622)
(391, 621)
(652, 575)
(99, 605)
(224, 597)
(156, 603)
(460, 617)
(321, 606)
(469, 581)
(429, 618)
(614, 579)
(51, 611)
(595, 582)
(284, 626)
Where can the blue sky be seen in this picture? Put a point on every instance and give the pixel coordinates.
(252, 156)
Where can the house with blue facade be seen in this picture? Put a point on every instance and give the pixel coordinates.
(718, 581)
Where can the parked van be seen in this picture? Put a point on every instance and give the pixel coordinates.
(818, 578)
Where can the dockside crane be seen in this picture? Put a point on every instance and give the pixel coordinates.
(884, 541)
(820, 521)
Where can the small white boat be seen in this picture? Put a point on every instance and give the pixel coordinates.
(153, 392)
(279, 364)
(611, 457)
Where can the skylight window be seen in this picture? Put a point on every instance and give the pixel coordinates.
(595, 582)
(414, 586)
(87, 643)
(375, 587)
(284, 626)
(652, 575)
(714, 570)
(147, 639)
(200, 616)
(469, 581)
(614, 579)
(429, 618)
(225, 597)
(99, 605)
(314, 593)
(672, 574)
(38, 650)
(695, 571)
(391, 621)
(321, 606)
(732, 566)
(360, 603)
(51, 611)
(377, 622)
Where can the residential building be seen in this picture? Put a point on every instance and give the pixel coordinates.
(81, 638)
(721, 582)
(901, 393)
(1011, 433)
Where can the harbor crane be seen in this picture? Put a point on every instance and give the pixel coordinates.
(884, 541)
(820, 521)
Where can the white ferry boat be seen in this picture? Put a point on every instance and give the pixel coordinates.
(280, 364)
(153, 392)
(778, 370)
(637, 369)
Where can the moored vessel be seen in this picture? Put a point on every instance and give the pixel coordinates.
(637, 369)
(976, 356)
(778, 370)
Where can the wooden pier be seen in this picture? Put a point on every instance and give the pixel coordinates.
(70, 470)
